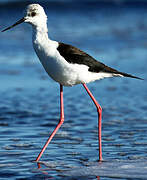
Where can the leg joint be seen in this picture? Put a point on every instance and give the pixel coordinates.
(99, 108)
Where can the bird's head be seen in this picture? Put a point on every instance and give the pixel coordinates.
(34, 15)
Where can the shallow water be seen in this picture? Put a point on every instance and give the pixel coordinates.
(29, 108)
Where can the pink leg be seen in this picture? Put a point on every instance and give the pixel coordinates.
(99, 110)
(57, 127)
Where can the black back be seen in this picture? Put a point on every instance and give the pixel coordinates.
(76, 56)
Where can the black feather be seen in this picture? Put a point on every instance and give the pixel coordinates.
(75, 56)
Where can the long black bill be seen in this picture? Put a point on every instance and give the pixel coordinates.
(18, 22)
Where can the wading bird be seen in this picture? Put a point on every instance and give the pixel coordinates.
(65, 64)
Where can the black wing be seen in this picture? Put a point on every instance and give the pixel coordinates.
(76, 56)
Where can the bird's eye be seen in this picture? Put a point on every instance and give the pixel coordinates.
(33, 14)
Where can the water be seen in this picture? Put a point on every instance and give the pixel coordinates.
(29, 108)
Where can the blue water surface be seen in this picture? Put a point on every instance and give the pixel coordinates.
(115, 34)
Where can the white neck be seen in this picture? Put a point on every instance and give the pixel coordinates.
(42, 44)
(40, 32)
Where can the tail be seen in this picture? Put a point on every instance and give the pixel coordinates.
(127, 75)
(118, 73)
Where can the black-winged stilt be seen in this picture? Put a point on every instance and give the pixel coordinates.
(65, 64)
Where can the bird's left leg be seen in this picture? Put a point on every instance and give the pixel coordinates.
(57, 127)
(99, 110)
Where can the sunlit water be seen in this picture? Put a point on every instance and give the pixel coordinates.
(29, 108)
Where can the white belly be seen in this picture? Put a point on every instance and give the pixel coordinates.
(71, 74)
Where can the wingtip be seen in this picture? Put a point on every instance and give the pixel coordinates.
(130, 76)
(135, 77)
(140, 78)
